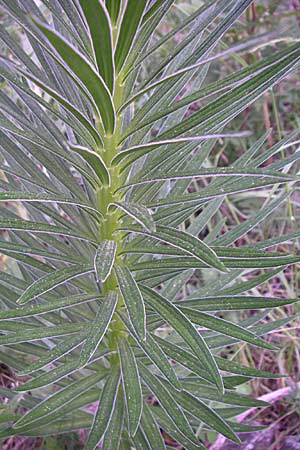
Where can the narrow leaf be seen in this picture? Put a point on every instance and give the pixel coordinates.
(232, 303)
(37, 333)
(139, 213)
(38, 227)
(172, 315)
(48, 307)
(52, 404)
(104, 259)
(130, 23)
(95, 161)
(101, 33)
(84, 71)
(105, 410)
(99, 327)
(168, 403)
(151, 430)
(184, 241)
(131, 385)
(60, 350)
(133, 300)
(52, 280)
(154, 353)
(225, 327)
(112, 438)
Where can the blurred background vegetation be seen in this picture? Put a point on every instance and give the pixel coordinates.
(277, 111)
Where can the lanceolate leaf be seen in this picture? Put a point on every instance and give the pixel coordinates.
(188, 360)
(52, 280)
(183, 326)
(131, 385)
(225, 327)
(104, 259)
(36, 227)
(151, 430)
(113, 434)
(59, 351)
(227, 171)
(58, 400)
(130, 24)
(66, 105)
(133, 300)
(37, 333)
(186, 242)
(101, 34)
(43, 198)
(106, 406)
(113, 7)
(154, 353)
(99, 327)
(235, 303)
(139, 213)
(48, 307)
(168, 403)
(83, 70)
(53, 376)
(95, 161)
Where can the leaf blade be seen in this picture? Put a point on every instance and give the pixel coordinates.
(131, 385)
(99, 327)
(133, 300)
(104, 259)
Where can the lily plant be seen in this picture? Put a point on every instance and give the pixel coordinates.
(107, 190)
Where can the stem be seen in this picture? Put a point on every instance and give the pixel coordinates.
(111, 215)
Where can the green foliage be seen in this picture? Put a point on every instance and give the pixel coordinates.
(100, 146)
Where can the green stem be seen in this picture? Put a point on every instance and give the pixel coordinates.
(111, 216)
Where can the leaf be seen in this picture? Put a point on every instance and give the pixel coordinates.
(131, 385)
(205, 414)
(206, 392)
(144, 149)
(130, 24)
(56, 374)
(151, 430)
(37, 227)
(113, 433)
(133, 300)
(43, 198)
(69, 107)
(168, 403)
(113, 7)
(52, 280)
(104, 413)
(232, 303)
(84, 71)
(139, 213)
(11, 247)
(215, 172)
(101, 33)
(225, 327)
(183, 263)
(95, 161)
(154, 353)
(99, 327)
(171, 314)
(37, 333)
(48, 307)
(52, 404)
(189, 361)
(184, 241)
(104, 259)
(60, 350)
